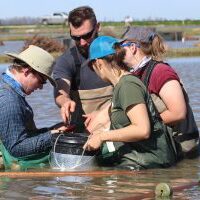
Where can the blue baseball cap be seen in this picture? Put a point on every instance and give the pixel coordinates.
(102, 46)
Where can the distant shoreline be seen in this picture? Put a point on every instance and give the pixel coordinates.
(172, 53)
(189, 29)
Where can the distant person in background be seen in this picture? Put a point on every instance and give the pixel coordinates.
(136, 139)
(143, 53)
(80, 91)
(128, 20)
(22, 144)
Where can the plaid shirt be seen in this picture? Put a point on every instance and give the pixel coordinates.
(18, 132)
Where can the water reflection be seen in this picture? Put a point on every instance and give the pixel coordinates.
(11, 46)
(138, 185)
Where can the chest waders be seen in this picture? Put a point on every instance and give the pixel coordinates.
(145, 153)
(86, 100)
(185, 134)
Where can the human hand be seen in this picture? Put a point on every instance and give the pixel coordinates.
(89, 117)
(93, 143)
(66, 109)
(61, 127)
(97, 121)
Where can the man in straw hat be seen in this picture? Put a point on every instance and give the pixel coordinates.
(21, 141)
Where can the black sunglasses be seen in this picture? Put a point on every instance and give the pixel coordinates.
(86, 36)
(41, 77)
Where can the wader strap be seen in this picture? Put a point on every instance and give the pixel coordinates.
(147, 72)
(145, 78)
(186, 137)
(76, 80)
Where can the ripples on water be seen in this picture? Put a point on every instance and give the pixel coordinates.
(115, 186)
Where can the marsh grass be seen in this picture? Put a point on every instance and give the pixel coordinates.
(181, 52)
(116, 29)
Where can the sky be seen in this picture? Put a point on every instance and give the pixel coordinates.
(106, 10)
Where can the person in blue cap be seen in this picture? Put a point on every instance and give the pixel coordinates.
(137, 139)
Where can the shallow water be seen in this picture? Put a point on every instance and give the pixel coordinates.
(136, 185)
(11, 46)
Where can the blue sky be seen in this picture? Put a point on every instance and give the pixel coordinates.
(106, 10)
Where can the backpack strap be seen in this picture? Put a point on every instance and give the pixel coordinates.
(147, 72)
(76, 80)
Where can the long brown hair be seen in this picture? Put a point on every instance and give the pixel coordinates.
(155, 47)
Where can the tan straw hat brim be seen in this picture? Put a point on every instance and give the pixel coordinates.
(32, 65)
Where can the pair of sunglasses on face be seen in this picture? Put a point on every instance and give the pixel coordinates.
(86, 36)
(41, 77)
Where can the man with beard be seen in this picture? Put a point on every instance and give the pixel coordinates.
(80, 91)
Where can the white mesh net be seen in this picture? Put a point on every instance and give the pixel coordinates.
(71, 162)
(66, 162)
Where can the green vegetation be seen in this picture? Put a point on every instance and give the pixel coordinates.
(189, 28)
(156, 23)
(4, 59)
(184, 52)
(187, 52)
(24, 32)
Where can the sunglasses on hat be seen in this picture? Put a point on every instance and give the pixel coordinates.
(128, 44)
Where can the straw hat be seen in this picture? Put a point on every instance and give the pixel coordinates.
(38, 59)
